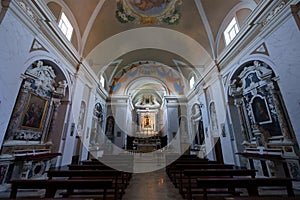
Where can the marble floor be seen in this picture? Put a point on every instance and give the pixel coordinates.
(151, 186)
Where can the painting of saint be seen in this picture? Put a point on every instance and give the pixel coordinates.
(260, 111)
(34, 113)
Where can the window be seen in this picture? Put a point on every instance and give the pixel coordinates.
(65, 26)
(192, 81)
(102, 81)
(231, 31)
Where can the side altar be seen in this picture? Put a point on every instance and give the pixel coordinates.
(28, 149)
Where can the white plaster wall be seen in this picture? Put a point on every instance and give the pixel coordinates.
(208, 138)
(218, 98)
(120, 125)
(68, 150)
(89, 98)
(284, 50)
(14, 50)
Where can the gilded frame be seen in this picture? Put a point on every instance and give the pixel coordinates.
(34, 113)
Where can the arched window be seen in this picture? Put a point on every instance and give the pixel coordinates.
(102, 81)
(192, 82)
(65, 26)
(231, 31)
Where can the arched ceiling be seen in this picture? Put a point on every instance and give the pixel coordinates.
(102, 39)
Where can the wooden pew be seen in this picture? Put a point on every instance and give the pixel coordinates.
(251, 184)
(193, 174)
(101, 166)
(172, 167)
(119, 164)
(118, 178)
(178, 169)
(52, 186)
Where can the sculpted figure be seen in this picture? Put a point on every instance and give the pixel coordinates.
(147, 101)
(45, 74)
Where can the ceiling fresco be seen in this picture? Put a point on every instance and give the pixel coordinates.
(149, 11)
(145, 69)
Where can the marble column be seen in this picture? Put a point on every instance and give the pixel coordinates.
(278, 108)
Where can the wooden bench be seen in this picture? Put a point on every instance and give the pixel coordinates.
(251, 184)
(100, 166)
(193, 174)
(118, 178)
(172, 165)
(176, 173)
(52, 186)
(124, 165)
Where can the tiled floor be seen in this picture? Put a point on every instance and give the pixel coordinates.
(151, 186)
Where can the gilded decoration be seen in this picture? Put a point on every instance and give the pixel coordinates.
(149, 11)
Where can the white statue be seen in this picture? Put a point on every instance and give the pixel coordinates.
(45, 75)
(147, 101)
(61, 89)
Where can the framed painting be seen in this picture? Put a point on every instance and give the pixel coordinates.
(147, 122)
(34, 113)
(260, 110)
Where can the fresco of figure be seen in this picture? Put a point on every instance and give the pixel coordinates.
(145, 5)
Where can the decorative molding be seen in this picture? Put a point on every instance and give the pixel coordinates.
(43, 81)
(27, 10)
(279, 7)
(262, 49)
(207, 27)
(36, 46)
(90, 25)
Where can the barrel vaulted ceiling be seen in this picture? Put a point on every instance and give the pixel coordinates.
(195, 39)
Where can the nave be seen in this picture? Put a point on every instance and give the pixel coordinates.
(188, 177)
(88, 80)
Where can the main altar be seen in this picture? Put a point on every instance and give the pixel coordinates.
(146, 130)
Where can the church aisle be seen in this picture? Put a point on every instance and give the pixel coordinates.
(151, 186)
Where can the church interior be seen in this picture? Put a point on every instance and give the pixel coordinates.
(149, 99)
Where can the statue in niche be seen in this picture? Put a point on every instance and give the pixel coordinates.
(147, 101)
(213, 117)
(196, 111)
(110, 127)
(81, 118)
